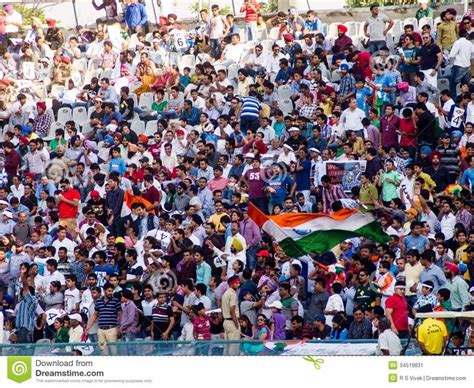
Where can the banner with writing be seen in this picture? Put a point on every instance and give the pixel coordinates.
(346, 174)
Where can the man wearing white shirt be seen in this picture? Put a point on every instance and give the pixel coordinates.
(351, 118)
(233, 52)
(447, 102)
(198, 101)
(258, 60)
(274, 59)
(461, 52)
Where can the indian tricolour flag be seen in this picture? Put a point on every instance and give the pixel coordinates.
(301, 233)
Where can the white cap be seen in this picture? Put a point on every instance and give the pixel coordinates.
(76, 316)
(3, 202)
(423, 1)
(288, 147)
(312, 149)
(294, 129)
(111, 127)
(139, 44)
(7, 213)
(276, 304)
(249, 155)
(471, 289)
(267, 156)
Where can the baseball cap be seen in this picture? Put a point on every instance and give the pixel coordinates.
(276, 304)
(320, 318)
(76, 316)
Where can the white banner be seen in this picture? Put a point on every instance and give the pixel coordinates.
(275, 372)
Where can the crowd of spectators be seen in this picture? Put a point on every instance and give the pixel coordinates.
(130, 153)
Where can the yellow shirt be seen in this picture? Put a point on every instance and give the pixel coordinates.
(216, 220)
(327, 106)
(429, 183)
(447, 34)
(431, 333)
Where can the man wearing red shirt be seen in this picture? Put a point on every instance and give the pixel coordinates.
(397, 310)
(68, 205)
(151, 194)
(155, 149)
(251, 8)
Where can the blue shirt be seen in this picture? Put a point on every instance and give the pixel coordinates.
(312, 26)
(419, 243)
(282, 75)
(135, 15)
(191, 117)
(468, 177)
(118, 165)
(361, 96)
(302, 177)
(281, 184)
(108, 312)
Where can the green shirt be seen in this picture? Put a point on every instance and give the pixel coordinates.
(424, 13)
(389, 190)
(54, 144)
(367, 194)
(159, 107)
(365, 295)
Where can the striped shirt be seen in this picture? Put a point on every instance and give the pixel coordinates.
(250, 108)
(108, 312)
(26, 313)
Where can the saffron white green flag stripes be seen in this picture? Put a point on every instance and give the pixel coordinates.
(302, 233)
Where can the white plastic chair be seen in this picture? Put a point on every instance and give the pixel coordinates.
(424, 21)
(274, 33)
(134, 97)
(284, 92)
(188, 60)
(150, 128)
(332, 30)
(232, 71)
(56, 90)
(90, 110)
(79, 115)
(52, 131)
(351, 28)
(286, 106)
(64, 114)
(267, 45)
(443, 83)
(323, 29)
(138, 127)
(413, 21)
(243, 35)
(146, 99)
(106, 74)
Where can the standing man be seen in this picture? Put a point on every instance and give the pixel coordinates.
(108, 311)
(68, 205)
(461, 52)
(397, 310)
(135, 17)
(250, 231)
(114, 202)
(250, 8)
(376, 28)
(230, 312)
(26, 310)
(431, 59)
(218, 27)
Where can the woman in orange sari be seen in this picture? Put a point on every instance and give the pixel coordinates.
(148, 79)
